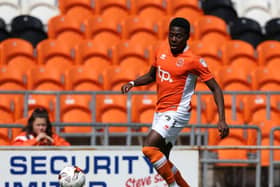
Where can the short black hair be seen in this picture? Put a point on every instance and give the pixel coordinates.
(180, 22)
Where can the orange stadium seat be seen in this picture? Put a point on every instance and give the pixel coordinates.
(255, 107)
(140, 30)
(211, 29)
(44, 101)
(194, 112)
(46, 78)
(4, 139)
(268, 53)
(150, 10)
(97, 55)
(116, 76)
(133, 56)
(232, 154)
(237, 53)
(143, 109)
(266, 126)
(17, 53)
(188, 9)
(210, 52)
(54, 53)
(233, 79)
(104, 30)
(266, 79)
(81, 10)
(74, 109)
(83, 78)
(64, 27)
(17, 131)
(112, 109)
(7, 109)
(211, 109)
(12, 78)
(112, 9)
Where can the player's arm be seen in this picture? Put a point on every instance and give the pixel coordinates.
(219, 100)
(147, 78)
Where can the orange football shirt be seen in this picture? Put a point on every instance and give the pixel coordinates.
(176, 78)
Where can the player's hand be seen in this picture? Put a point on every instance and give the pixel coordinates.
(126, 87)
(44, 137)
(223, 129)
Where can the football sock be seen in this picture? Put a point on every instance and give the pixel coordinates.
(177, 175)
(160, 163)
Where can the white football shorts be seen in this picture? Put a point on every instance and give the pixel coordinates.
(167, 126)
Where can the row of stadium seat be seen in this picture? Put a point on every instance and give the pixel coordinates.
(108, 31)
(226, 53)
(207, 27)
(88, 77)
(113, 109)
(245, 109)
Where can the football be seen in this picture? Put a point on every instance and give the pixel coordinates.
(71, 176)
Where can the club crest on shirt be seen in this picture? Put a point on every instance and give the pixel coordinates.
(180, 62)
(202, 62)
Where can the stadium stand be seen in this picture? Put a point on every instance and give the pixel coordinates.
(132, 55)
(63, 27)
(89, 42)
(79, 9)
(150, 10)
(99, 58)
(75, 108)
(55, 53)
(46, 78)
(41, 9)
(268, 53)
(104, 30)
(220, 8)
(258, 10)
(28, 28)
(116, 10)
(272, 29)
(237, 53)
(4, 34)
(17, 54)
(141, 30)
(83, 78)
(246, 29)
(188, 9)
(211, 29)
(9, 9)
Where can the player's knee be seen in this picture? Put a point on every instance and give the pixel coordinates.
(153, 153)
(147, 151)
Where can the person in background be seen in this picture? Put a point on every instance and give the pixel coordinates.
(175, 71)
(38, 131)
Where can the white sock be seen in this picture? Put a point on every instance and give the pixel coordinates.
(174, 184)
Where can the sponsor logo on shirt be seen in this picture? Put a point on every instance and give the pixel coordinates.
(164, 75)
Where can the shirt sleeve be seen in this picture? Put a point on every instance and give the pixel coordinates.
(201, 69)
(20, 142)
(58, 141)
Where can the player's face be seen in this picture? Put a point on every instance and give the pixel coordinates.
(39, 125)
(177, 38)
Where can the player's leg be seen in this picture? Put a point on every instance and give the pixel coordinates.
(151, 150)
(177, 175)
